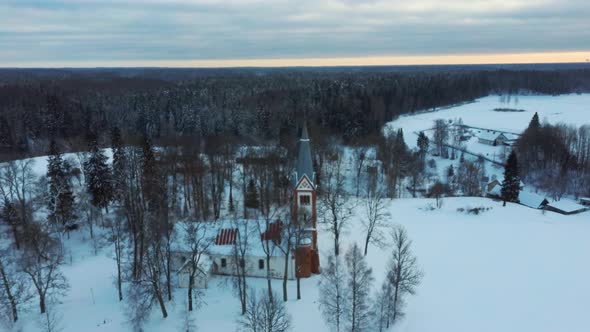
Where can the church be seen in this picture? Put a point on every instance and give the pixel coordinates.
(224, 236)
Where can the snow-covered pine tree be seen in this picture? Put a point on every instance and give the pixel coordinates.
(60, 197)
(98, 175)
(251, 200)
(535, 124)
(423, 143)
(511, 182)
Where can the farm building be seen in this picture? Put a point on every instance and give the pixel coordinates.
(567, 207)
(532, 200)
(492, 138)
(585, 201)
(494, 187)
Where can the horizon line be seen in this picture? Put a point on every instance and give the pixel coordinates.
(360, 61)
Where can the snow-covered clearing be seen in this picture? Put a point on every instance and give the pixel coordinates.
(509, 269)
(571, 109)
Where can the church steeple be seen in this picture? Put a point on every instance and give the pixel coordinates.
(304, 209)
(304, 164)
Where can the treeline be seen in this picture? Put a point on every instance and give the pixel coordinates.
(251, 106)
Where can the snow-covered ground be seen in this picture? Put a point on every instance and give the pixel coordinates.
(571, 109)
(509, 269)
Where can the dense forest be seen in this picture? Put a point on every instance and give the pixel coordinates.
(253, 105)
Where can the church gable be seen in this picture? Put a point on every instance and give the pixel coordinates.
(304, 184)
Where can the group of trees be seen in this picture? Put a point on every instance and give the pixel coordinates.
(345, 287)
(31, 258)
(38, 211)
(555, 158)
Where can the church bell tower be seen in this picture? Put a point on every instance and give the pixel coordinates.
(304, 209)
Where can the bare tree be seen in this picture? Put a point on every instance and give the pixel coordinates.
(332, 299)
(403, 275)
(269, 240)
(153, 270)
(437, 191)
(440, 136)
(14, 288)
(469, 176)
(291, 238)
(139, 304)
(375, 220)
(16, 185)
(380, 307)
(360, 155)
(188, 322)
(40, 261)
(334, 206)
(118, 237)
(359, 282)
(265, 313)
(51, 321)
(239, 252)
(198, 241)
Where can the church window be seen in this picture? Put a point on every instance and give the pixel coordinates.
(223, 262)
(261, 264)
(305, 200)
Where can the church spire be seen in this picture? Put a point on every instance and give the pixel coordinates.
(304, 164)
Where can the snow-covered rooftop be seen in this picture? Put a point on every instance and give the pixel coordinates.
(222, 235)
(531, 199)
(490, 135)
(567, 205)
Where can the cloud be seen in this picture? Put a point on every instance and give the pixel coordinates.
(108, 30)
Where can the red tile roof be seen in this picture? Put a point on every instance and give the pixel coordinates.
(273, 232)
(226, 236)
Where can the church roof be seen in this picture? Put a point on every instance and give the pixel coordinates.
(304, 164)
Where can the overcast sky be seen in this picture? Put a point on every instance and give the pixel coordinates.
(177, 32)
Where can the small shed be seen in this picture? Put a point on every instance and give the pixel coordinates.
(494, 187)
(566, 206)
(532, 200)
(492, 138)
(201, 278)
(585, 201)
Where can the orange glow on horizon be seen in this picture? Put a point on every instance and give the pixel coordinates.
(456, 59)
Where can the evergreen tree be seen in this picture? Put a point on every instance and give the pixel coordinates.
(450, 171)
(60, 200)
(535, 124)
(251, 200)
(511, 182)
(119, 162)
(150, 176)
(98, 175)
(423, 143)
